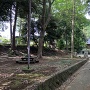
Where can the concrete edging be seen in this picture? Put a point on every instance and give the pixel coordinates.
(57, 79)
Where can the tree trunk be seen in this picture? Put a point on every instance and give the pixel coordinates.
(66, 36)
(40, 47)
(45, 22)
(66, 41)
(14, 28)
(11, 25)
(72, 34)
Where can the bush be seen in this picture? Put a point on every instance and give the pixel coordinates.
(60, 44)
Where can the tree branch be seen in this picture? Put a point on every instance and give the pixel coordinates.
(49, 12)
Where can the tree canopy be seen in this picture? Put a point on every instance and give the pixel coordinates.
(51, 19)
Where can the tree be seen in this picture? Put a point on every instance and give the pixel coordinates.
(42, 10)
(51, 33)
(64, 16)
(46, 13)
(14, 26)
(11, 25)
(7, 15)
(73, 28)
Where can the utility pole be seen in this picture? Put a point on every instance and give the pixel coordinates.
(29, 33)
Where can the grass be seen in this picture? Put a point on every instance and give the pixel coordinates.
(20, 81)
(29, 76)
(27, 70)
(69, 62)
(15, 84)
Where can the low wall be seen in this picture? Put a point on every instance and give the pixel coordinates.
(57, 79)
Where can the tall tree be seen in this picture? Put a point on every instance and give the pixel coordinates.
(11, 25)
(73, 28)
(64, 15)
(14, 26)
(46, 13)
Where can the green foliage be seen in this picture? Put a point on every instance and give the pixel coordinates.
(24, 34)
(51, 29)
(80, 40)
(86, 30)
(63, 11)
(4, 41)
(59, 27)
(60, 44)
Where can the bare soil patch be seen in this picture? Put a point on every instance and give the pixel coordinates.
(13, 78)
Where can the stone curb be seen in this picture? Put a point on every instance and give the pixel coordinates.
(58, 78)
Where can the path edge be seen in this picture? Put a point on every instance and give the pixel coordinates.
(58, 78)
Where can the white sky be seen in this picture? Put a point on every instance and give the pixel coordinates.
(6, 33)
(87, 16)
